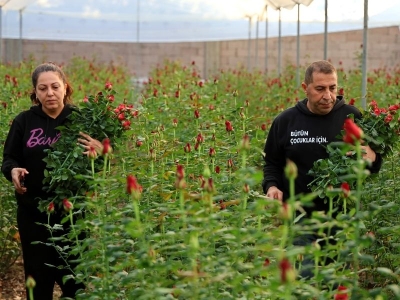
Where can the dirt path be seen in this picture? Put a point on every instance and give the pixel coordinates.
(12, 285)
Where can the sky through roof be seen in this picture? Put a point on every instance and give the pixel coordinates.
(182, 20)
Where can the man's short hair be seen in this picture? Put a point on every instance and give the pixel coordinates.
(321, 66)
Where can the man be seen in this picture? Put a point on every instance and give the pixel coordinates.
(301, 133)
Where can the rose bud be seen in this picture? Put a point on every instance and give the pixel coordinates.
(50, 207)
(68, 206)
(108, 86)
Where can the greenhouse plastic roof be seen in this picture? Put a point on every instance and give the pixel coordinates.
(182, 20)
(15, 4)
(287, 4)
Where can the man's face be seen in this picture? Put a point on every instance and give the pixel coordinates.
(321, 93)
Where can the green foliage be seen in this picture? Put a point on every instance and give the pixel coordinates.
(88, 77)
(215, 235)
(9, 247)
(383, 222)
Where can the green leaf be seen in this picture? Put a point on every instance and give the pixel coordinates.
(386, 271)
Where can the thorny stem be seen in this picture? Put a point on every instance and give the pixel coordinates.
(357, 223)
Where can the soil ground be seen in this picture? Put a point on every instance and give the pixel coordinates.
(12, 284)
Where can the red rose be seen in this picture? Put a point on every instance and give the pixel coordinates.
(133, 187)
(346, 189)
(352, 132)
(106, 146)
(341, 295)
(228, 126)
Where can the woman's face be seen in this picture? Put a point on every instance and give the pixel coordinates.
(51, 90)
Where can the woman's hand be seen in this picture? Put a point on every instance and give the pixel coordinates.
(17, 176)
(87, 142)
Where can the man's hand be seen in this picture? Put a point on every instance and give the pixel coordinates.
(275, 193)
(368, 153)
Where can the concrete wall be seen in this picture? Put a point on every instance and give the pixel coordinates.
(345, 47)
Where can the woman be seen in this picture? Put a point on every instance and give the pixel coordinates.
(32, 132)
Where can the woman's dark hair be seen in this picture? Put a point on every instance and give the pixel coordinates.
(321, 66)
(50, 67)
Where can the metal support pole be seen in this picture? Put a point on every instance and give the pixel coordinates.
(364, 58)
(1, 31)
(1, 36)
(279, 44)
(298, 47)
(249, 46)
(138, 37)
(205, 72)
(266, 40)
(326, 31)
(256, 45)
(20, 54)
